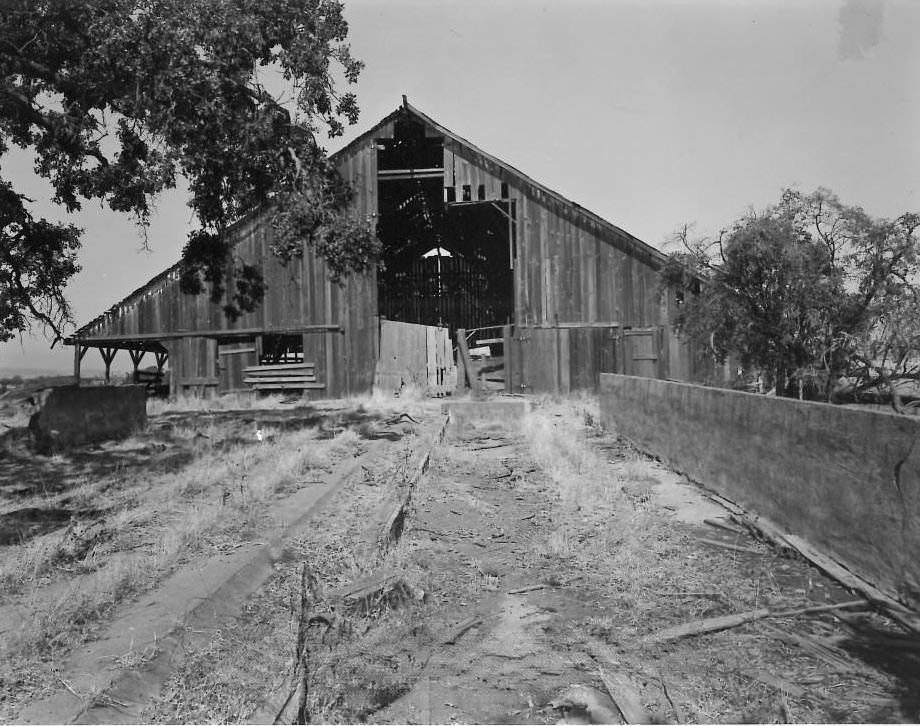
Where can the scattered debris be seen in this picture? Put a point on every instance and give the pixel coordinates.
(529, 588)
(678, 711)
(823, 562)
(490, 446)
(81, 539)
(594, 705)
(723, 524)
(730, 546)
(623, 693)
(816, 647)
(465, 625)
(780, 684)
(371, 594)
(400, 419)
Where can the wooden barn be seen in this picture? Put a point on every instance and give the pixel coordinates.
(471, 244)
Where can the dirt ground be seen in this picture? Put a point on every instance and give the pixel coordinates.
(540, 568)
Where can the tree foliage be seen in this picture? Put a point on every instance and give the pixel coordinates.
(817, 294)
(117, 98)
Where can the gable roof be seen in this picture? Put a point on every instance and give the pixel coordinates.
(533, 187)
(530, 185)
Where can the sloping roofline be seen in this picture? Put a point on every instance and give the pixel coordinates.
(530, 184)
(535, 186)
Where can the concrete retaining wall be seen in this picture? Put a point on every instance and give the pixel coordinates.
(75, 415)
(847, 481)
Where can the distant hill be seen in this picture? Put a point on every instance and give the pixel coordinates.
(29, 373)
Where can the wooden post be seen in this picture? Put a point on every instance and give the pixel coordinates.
(136, 356)
(507, 345)
(78, 352)
(108, 355)
(464, 357)
(462, 377)
(160, 357)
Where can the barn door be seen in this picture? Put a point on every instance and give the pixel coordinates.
(232, 357)
(641, 348)
(541, 360)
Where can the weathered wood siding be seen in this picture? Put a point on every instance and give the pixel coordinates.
(569, 268)
(415, 356)
(298, 294)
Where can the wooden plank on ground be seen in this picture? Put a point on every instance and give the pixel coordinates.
(724, 622)
(622, 691)
(708, 625)
(780, 684)
(831, 655)
(823, 562)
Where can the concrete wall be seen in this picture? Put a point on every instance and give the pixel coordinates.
(847, 481)
(75, 415)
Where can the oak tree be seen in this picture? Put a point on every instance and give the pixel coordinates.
(819, 295)
(118, 98)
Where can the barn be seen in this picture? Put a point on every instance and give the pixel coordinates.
(473, 249)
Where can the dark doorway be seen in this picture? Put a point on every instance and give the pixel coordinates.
(447, 262)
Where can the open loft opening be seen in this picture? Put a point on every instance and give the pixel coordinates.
(449, 252)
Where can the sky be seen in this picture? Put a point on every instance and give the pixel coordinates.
(651, 113)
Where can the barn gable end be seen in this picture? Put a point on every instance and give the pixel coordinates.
(469, 240)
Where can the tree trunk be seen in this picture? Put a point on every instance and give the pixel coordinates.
(896, 402)
(781, 382)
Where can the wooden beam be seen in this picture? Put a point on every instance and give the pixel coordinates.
(211, 333)
(280, 379)
(602, 324)
(387, 174)
(507, 355)
(280, 367)
(289, 386)
(78, 352)
(466, 360)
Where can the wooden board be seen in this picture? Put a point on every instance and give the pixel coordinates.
(418, 356)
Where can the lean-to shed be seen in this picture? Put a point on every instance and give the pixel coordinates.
(469, 243)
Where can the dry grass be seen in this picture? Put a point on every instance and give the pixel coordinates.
(153, 522)
(227, 402)
(606, 514)
(227, 677)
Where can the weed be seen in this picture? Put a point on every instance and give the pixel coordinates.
(134, 658)
(346, 444)
(559, 544)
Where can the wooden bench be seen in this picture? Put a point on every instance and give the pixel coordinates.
(282, 376)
